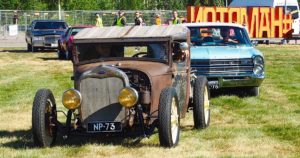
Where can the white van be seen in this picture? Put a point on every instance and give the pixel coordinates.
(290, 6)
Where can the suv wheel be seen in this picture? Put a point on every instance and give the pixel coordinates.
(201, 109)
(169, 118)
(60, 53)
(68, 55)
(44, 118)
(29, 47)
(34, 49)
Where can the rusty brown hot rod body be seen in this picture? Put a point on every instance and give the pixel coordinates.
(127, 80)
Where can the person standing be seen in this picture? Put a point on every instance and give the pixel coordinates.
(99, 22)
(176, 19)
(120, 19)
(15, 18)
(138, 21)
(157, 19)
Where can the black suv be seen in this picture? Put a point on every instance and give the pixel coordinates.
(44, 34)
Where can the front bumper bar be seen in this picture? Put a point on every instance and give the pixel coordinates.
(230, 82)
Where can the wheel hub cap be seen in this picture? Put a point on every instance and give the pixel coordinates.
(206, 105)
(174, 121)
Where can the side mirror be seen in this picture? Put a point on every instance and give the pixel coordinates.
(184, 46)
(254, 43)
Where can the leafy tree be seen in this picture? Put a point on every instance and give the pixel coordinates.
(10, 4)
(106, 4)
(217, 3)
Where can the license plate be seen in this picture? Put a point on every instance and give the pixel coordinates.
(104, 127)
(54, 45)
(213, 84)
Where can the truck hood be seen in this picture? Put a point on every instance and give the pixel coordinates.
(223, 52)
(47, 32)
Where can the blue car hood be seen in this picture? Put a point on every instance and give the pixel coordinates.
(47, 32)
(223, 52)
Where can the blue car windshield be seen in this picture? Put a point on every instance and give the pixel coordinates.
(219, 36)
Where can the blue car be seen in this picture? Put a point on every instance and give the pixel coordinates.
(224, 54)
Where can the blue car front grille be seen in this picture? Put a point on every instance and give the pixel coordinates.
(223, 67)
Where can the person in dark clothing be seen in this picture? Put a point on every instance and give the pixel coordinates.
(138, 21)
(120, 19)
(15, 18)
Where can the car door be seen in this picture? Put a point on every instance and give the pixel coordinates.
(181, 79)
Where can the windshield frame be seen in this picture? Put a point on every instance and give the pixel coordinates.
(131, 43)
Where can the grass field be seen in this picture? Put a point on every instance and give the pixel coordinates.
(264, 126)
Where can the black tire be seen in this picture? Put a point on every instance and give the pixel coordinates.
(61, 55)
(252, 91)
(201, 109)
(29, 47)
(44, 118)
(168, 135)
(34, 49)
(68, 55)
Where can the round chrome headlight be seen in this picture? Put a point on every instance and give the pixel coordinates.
(128, 97)
(258, 60)
(258, 70)
(71, 99)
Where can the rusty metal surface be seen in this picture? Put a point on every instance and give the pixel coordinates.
(176, 32)
(161, 75)
(100, 100)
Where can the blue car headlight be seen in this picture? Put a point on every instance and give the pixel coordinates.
(258, 68)
(258, 60)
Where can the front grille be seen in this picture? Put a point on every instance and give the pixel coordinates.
(100, 100)
(51, 38)
(216, 67)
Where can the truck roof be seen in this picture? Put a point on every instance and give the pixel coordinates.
(262, 3)
(144, 33)
(204, 24)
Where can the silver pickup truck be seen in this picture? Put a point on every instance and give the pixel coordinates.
(44, 34)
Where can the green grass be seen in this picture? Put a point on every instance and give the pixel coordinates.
(264, 126)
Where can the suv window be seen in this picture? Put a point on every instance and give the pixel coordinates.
(50, 25)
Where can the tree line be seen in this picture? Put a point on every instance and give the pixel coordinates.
(106, 4)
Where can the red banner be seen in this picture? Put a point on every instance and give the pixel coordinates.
(262, 22)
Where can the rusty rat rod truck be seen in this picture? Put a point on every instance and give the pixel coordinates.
(127, 80)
